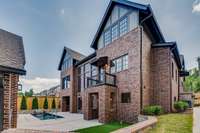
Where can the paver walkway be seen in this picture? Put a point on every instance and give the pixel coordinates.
(70, 122)
(196, 120)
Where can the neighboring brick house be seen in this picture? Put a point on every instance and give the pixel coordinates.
(12, 61)
(132, 67)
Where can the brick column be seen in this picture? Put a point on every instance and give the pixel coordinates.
(10, 100)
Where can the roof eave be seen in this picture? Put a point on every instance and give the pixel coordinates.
(12, 70)
(60, 63)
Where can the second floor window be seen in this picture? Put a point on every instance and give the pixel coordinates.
(119, 64)
(66, 82)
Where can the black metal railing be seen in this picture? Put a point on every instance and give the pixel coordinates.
(102, 79)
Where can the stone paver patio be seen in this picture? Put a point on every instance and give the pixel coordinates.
(70, 122)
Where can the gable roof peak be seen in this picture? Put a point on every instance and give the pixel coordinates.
(74, 54)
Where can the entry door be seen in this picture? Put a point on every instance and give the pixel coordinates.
(67, 103)
(79, 104)
(95, 106)
(1, 103)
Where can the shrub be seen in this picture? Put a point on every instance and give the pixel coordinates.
(53, 104)
(23, 103)
(153, 110)
(45, 106)
(181, 106)
(35, 103)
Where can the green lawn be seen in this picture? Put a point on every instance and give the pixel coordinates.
(173, 123)
(106, 128)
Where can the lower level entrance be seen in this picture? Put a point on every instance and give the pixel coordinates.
(94, 102)
(1, 103)
(66, 104)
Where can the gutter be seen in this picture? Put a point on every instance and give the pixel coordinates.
(141, 74)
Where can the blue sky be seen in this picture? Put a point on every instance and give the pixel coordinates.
(48, 26)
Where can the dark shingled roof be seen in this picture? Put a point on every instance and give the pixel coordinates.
(12, 56)
(75, 55)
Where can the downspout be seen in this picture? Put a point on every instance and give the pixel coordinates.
(141, 51)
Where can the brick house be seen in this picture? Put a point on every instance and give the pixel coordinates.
(12, 61)
(132, 67)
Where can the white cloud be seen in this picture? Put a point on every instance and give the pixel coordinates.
(196, 6)
(38, 84)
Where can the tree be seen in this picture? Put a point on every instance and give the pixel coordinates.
(45, 106)
(23, 103)
(192, 82)
(35, 103)
(29, 93)
(53, 104)
(20, 93)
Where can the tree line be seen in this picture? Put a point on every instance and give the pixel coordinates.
(35, 103)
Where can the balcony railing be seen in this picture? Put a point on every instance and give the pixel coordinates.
(102, 79)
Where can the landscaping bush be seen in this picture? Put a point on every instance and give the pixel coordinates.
(153, 110)
(53, 104)
(35, 103)
(45, 106)
(23, 103)
(181, 106)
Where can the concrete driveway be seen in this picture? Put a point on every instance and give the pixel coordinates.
(70, 122)
(196, 120)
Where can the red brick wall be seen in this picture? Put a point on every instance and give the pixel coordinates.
(161, 77)
(146, 70)
(107, 112)
(127, 80)
(70, 91)
(10, 100)
(174, 83)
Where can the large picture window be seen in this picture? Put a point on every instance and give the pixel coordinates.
(118, 29)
